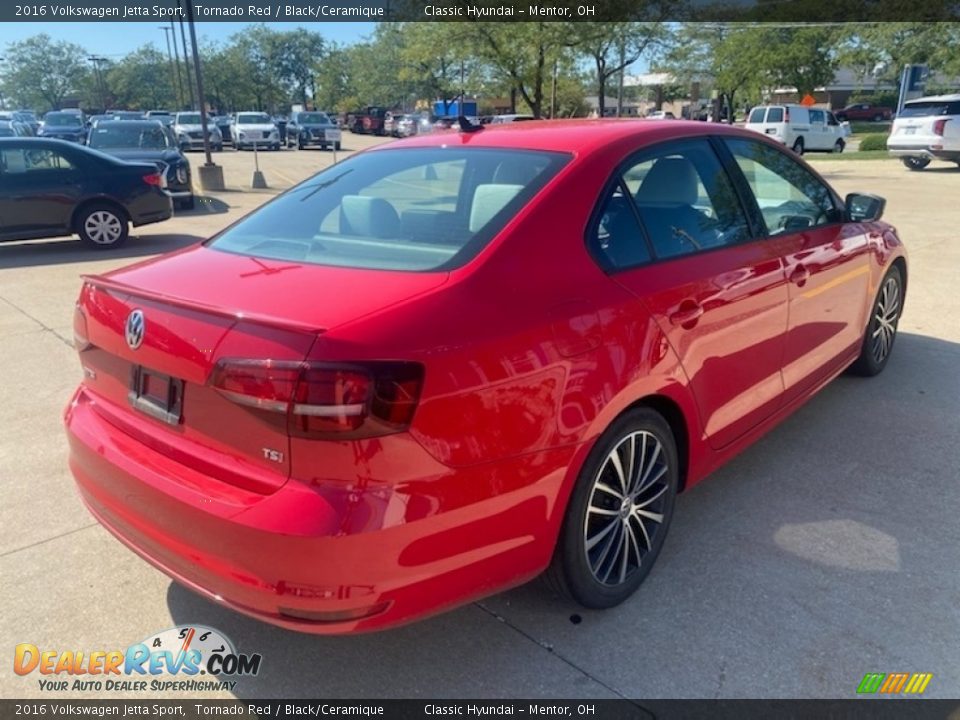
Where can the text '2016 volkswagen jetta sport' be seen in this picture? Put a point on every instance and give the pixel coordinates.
(443, 366)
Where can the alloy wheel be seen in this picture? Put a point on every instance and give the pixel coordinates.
(626, 508)
(103, 227)
(885, 319)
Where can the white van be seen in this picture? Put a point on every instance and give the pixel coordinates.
(798, 127)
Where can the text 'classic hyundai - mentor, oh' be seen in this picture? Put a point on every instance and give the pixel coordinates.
(441, 367)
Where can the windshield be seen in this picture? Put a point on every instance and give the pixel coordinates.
(129, 136)
(253, 119)
(930, 108)
(314, 118)
(63, 119)
(405, 209)
(188, 118)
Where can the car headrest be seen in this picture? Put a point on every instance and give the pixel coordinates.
(368, 217)
(671, 181)
(513, 172)
(488, 200)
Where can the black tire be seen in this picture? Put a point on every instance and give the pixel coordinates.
(578, 568)
(838, 146)
(798, 146)
(915, 163)
(102, 225)
(881, 331)
(878, 118)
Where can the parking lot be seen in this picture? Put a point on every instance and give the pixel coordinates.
(827, 550)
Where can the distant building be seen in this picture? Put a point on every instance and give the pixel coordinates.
(846, 83)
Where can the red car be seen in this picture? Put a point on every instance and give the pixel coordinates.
(864, 111)
(441, 367)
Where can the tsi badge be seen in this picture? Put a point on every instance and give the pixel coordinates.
(173, 660)
(136, 327)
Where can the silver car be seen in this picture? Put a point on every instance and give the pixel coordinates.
(189, 132)
(254, 129)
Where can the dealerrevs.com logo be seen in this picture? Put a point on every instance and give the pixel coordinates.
(188, 658)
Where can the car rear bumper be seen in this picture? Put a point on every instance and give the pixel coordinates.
(300, 557)
(931, 150)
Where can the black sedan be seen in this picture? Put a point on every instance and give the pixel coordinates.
(50, 188)
(147, 141)
(63, 126)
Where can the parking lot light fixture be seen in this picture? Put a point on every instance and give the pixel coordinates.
(211, 174)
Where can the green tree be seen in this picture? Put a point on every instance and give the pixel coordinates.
(614, 46)
(332, 75)
(296, 55)
(40, 72)
(141, 80)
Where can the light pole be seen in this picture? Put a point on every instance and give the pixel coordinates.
(176, 55)
(166, 31)
(186, 60)
(101, 91)
(211, 175)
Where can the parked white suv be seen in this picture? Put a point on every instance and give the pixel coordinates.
(251, 129)
(926, 129)
(798, 127)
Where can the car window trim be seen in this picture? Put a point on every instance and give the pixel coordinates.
(616, 178)
(838, 206)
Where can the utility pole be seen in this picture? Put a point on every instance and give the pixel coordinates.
(166, 31)
(101, 91)
(553, 92)
(186, 61)
(176, 55)
(211, 175)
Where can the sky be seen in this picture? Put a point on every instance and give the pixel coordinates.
(115, 39)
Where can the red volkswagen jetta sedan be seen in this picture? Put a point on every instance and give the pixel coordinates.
(443, 366)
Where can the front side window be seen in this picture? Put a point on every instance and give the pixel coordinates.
(817, 117)
(791, 199)
(405, 209)
(685, 200)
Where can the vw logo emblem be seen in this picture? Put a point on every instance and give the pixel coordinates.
(136, 326)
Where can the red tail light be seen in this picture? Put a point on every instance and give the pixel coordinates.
(318, 400)
(939, 125)
(153, 179)
(786, 114)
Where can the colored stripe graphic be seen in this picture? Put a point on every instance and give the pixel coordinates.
(894, 683)
(871, 682)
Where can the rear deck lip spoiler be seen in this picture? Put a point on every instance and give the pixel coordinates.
(220, 311)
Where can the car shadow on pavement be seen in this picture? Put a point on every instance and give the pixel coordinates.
(36, 253)
(825, 550)
(204, 205)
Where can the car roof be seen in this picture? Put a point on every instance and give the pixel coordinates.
(569, 135)
(953, 97)
(147, 123)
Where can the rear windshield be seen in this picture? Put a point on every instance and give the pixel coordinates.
(63, 119)
(775, 115)
(130, 136)
(756, 115)
(930, 108)
(404, 209)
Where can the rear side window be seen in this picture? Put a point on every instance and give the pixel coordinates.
(406, 209)
(756, 115)
(21, 160)
(790, 198)
(616, 240)
(775, 115)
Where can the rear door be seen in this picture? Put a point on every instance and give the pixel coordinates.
(683, 247)
(39, 189)
(826, 262)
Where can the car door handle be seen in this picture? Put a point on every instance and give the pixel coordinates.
(687, 314)
(799, 276)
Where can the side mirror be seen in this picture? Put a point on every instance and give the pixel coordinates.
(862, 207)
